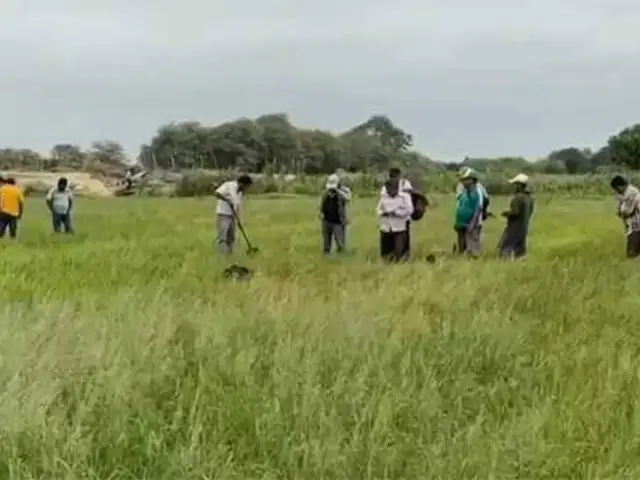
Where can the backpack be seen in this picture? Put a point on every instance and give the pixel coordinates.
(420, 204)
(486, 201)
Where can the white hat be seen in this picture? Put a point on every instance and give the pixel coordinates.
(332, 182)
(467, 172)
(520, 178)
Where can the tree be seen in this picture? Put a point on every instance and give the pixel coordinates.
(109, 152)
(575, 160)
(383, 130)
(68, 155)
(624, 148)
(272, 142)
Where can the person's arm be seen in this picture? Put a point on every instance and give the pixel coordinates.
(20, 204)
(514, 207)
(49, 199)
(380, 209)
(70, 202)
(405, 209)
(629, 205)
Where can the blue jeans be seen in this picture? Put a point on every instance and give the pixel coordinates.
(62, 221)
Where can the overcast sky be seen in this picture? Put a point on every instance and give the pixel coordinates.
(466, 77)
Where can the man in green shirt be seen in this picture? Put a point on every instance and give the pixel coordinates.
(468, 217)
(514, 239)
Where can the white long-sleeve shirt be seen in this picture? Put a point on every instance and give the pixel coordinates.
(404, 186)
(231, 191)
(400, 207)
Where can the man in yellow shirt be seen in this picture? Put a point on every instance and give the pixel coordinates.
(11, 207)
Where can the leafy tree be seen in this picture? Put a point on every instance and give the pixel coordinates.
(68, 155)
(388, 135)
(575, 160)
(108, 152)
(624, 148)
(272, 143)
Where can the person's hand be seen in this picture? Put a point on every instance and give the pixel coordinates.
(505, 213)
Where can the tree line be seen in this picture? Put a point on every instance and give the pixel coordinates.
(271, 143)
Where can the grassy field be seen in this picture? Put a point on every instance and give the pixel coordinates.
(124, 355)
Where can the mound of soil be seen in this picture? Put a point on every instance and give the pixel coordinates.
(82, 183)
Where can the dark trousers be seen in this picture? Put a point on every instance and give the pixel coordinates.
(393, 246)
(513, 243)
(61, 221)
(407, 243)
(333, 232)
(633, 245)
(8, 222)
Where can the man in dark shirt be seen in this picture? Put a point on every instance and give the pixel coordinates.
(514, 239)
(333, 215)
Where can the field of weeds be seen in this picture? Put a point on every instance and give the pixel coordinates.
(124, 354)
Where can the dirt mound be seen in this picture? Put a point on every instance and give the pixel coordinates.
(82, 183)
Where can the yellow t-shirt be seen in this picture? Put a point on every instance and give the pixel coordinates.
(11, 199)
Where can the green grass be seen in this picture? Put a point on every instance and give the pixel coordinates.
(124, 355)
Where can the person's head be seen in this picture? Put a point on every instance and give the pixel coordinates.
(468, 178)
(63, 183)
(11, 181)
(619, 184)
(520, 182)
(392, 186)
(333, 183)
(395, 173)
(244, 182)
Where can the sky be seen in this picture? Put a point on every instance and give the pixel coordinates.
(465, 77)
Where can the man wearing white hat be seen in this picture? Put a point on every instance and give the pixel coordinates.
(514, 239)
(333, 213)
(468, 217)
(485, 199)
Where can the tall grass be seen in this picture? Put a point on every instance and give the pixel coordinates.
(203, 183)
(124, 355)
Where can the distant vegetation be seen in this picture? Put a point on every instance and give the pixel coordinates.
(272, 146)
(272, 143)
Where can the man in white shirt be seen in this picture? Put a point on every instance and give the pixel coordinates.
(228, 210)
(394, 209)
(404, 185)
(60, 202)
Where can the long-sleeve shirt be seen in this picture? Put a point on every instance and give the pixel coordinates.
(231, 191)
(629, 209)
(405, 186)
(520, 210)
(399, 210)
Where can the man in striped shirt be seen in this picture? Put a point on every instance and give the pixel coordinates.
(629, 211)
